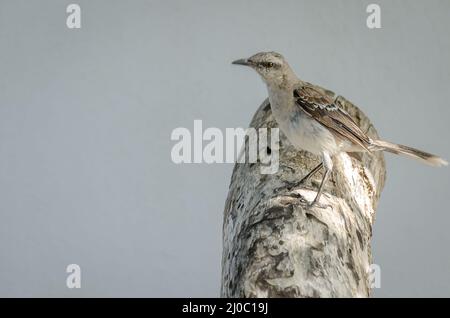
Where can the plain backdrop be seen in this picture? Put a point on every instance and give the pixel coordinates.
(86, 115)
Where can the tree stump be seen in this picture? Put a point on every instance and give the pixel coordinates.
(274, 246)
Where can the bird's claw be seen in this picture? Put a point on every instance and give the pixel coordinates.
(293, 185)
(319, 205)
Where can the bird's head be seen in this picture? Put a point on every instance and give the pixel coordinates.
(271, 66)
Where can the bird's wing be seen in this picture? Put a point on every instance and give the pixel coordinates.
(322, 108)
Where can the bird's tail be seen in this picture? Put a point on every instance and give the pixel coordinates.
(417, 154)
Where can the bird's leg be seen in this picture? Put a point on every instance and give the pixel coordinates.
(293, 185)
(319, 193)
(328, 164)
(311, 173)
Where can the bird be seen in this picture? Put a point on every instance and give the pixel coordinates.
(313, 121)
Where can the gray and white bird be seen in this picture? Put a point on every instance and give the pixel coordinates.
(313, 121)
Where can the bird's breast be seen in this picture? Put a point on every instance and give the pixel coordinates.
(301, 130)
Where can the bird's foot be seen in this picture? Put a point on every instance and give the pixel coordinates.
(287, 187)
(295, 185)
(315, 204)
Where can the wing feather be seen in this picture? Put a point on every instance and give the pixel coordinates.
(322, 108)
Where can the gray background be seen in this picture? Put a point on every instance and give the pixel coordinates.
(86, 117)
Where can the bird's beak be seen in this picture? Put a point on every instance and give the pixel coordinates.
(242, 62)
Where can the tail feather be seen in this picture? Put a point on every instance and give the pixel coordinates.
(417, 154)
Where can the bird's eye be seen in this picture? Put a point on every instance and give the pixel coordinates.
(269, 64)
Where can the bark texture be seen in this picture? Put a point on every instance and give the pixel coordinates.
(274, 246)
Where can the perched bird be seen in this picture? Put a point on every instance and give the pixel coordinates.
(312, 121)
